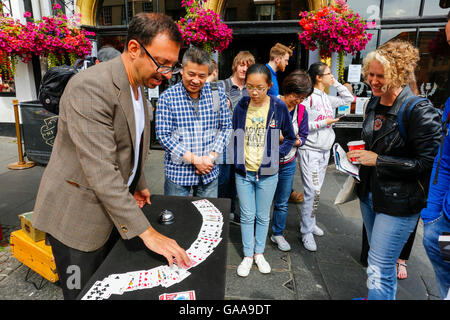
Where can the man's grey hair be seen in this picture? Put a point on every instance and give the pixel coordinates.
(107, 53)
(197, 55)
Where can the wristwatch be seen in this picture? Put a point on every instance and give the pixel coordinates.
(211, 156)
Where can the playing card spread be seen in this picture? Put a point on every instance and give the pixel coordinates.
(99, 291)
(207, 240)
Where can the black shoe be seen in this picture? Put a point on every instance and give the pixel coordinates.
(236, 219)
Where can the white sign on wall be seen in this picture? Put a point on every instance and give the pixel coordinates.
(354, 73)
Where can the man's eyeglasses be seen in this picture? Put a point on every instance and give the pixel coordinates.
(259, 90)
(163, 69)
(325, 74)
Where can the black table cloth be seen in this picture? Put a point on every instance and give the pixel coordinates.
(207, 278)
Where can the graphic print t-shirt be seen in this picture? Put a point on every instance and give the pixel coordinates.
(255, 134)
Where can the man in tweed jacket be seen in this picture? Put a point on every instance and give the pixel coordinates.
(96, 166)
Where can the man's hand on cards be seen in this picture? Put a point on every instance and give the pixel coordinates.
(164, 246)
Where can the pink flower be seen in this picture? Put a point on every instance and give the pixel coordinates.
(27, 14)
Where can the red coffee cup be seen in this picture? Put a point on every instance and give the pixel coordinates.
(356, 145)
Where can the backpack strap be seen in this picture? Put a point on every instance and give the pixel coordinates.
(228, 85)
(215, 95)
(407, 107)
(300, 112)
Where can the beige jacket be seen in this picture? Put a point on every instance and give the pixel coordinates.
(83, 191)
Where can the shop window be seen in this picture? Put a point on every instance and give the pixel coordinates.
(244, 10)
(289, 9)
(136, 6)
(433, 8)
(368, 9)
(401, 8)
(402, 34)
(107, 15)
(111, 13)
(116, 41)
(231, 14)
(433, 71)
(119, 12)
(173, 9)
(147, 6)
(7, 84)
(260, 10)
(265, 11)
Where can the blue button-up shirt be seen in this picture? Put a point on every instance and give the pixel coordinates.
(180, 128)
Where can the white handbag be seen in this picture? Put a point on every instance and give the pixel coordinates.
(347, 192)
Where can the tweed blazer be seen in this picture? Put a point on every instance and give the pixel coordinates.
(83, 192)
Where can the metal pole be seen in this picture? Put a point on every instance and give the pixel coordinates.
(21, 164)
(19, 136)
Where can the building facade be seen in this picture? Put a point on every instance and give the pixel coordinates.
(257, 25)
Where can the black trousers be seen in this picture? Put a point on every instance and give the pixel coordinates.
(76, 267)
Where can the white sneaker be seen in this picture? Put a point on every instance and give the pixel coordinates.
(309, 243)
(262, 264)
(283, 245)
(317, 231)
(244, 268)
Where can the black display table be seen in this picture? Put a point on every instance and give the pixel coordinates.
(207, 278)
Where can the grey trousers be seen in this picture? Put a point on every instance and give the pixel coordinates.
(313, 165)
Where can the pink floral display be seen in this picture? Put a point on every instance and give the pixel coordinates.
(335, 28)
(203, 28)
(53, 36)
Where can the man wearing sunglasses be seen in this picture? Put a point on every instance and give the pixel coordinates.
(93, 188)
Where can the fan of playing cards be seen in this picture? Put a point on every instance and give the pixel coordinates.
(207, 240)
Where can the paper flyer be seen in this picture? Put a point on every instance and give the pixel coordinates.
(342, 163)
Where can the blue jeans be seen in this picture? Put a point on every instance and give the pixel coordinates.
(201, 190)
(227, 184)
(431, 232)
(386, 235)
(255, 198)
(286, 174)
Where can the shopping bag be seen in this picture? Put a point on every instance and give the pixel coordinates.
(347, 192)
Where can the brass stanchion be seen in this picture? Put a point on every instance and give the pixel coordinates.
(21, 164)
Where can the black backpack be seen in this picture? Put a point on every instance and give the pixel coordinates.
(53, 84)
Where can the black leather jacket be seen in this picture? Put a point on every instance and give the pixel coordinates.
(399, 181)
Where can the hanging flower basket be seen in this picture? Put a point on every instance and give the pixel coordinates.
(334, 28)
(55, 38)
(203, 28)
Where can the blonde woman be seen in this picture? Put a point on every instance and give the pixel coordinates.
(395, 169)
